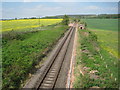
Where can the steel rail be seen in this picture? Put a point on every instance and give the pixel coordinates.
(51, 73)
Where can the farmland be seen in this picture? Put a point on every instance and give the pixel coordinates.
(22, 51)
(108, 41)
(107, 32)
(102, 24)
(97, 55)
(26, 24)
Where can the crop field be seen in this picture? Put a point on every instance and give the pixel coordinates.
(108, 41)
(107, 32)
(9, 25)
(102, 24)
(21, 52)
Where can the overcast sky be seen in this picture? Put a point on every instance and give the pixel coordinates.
(39, 9)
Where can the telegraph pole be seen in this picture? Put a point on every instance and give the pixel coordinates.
(39, 22)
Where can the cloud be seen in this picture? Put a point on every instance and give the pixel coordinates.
(41, 10)
(93, 7)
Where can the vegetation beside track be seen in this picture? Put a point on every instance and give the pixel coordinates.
(22, 51)
(95, 67)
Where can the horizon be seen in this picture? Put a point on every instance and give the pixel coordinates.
(52, 16)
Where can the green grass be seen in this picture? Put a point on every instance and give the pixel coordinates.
(97, 59)
(102, 24)
(22, 51)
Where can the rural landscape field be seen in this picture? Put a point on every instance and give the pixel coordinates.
(59, 45)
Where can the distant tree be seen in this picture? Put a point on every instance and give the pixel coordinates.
(78, 20)
(75, 20)
(15, 18)
(85, 24)
(25, 18)
(80, 17)
(33, 18)
(65, 20)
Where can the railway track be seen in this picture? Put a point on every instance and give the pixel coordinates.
(50, 75)
(54, 72)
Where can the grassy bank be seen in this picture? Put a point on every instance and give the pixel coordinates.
(95, 67)
(22, 51)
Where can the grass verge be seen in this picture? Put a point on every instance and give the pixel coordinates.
(95, 67)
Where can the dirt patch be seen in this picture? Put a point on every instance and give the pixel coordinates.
(97, 49)
(86, 34)
(97, 64)
(91, 58)
(86, 68)
(94, 87)
(81, 70)
(85, 51)
(93, 74)
(71, 24)
(93, 71)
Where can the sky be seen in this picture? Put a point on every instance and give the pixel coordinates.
(40, 9)
(60, 0)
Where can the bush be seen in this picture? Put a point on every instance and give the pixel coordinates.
(65, 20)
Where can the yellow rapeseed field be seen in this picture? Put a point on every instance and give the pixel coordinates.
(26, 23)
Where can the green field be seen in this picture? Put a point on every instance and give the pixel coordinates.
(24, 24)
(108, 41)
(22, 51)
(102, 24)
(107, 32)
